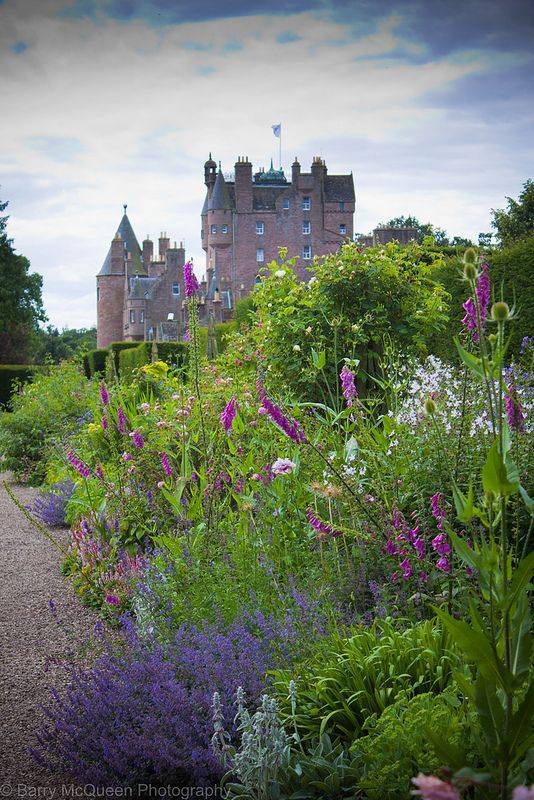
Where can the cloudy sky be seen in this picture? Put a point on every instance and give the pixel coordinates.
(428, 102)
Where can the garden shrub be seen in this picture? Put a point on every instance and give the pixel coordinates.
(513, 268)
(10, 376)
(354, 298)
(364, 674)
(244, 311)
(222, 331)
(133, 358)
(47, 410)
(94, 362)
(401, 742)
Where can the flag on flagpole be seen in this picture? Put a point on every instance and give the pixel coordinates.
(277, 129)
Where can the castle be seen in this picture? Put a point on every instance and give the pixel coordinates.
(245, 220)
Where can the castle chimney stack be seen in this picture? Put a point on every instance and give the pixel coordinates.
(243, 184)
(295, 172)
(164, 244)
(148, 252)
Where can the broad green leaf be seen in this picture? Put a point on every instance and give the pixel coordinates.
(471, 361)
(318, 358)
(489, 709)
(495, 477)
(521, 725)
(528, 501)
(478, 650)
(521, 577)
(468, 556)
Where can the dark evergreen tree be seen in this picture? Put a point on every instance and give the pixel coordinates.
(21, 307)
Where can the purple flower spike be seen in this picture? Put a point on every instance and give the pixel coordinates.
(291, 428)
(104, 396)
(122, 421)
(81, 468)
(323, 528)
(165, 464)
(137, 439)
(228, 415)
(190, 280)
(514, 410)
(348, 385)
(470, 319)
(483, 293)
(104, 422)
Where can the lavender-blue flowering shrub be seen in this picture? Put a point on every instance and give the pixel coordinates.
(143, 712)
(50, 506)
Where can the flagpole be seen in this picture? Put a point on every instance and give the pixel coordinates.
(280, 147)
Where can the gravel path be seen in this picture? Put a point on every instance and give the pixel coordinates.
(31, 642)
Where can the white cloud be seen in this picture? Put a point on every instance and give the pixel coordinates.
(145, 117)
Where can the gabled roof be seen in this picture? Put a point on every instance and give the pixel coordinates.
(141, 287)
(220, 197)
(339, 189)
(131, 245)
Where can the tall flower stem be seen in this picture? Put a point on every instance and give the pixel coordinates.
(338, 475)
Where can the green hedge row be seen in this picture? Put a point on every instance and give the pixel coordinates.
(10, 374)
(94, 362)
(222, 330)
(132, 358)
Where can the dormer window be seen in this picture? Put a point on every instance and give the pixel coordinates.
(176, 289)
(343, 229)
(306, 226)
(306, 203)
(260, 228)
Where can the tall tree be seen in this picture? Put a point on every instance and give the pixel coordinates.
(517, 221)
(21, 306)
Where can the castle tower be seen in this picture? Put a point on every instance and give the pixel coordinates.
(111, 282)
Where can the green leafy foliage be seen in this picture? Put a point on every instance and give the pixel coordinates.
(361, 676)
(11, 377)
(404, 740)
(517, 221)
(352, 301)
(44, 413)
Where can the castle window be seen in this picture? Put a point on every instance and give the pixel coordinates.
(285, 203)
(142, 319)
(224, 229)
(132, 315)
(97, 294)
(176, 289)
(343, 229)
(260, 228)
(214, 228)
(202, 233)
(306, 252)
(342, 206)
(306, 226)
(260, 254)
(306, 203)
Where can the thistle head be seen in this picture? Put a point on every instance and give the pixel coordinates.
(500, 311)
(430, 407)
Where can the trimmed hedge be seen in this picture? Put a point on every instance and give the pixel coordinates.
(222, 330)
(9, 374)
(94, 362)
(513, 267)
(173, 353)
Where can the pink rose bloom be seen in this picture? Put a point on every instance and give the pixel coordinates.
(431, 788)
(283, 466)
(523, 793)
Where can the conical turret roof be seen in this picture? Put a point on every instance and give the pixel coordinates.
(220, 197)
(131, 245)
